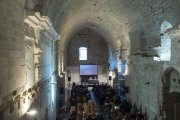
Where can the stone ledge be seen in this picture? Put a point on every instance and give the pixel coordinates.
(146, 54)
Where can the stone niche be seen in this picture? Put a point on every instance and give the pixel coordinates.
(174, 82)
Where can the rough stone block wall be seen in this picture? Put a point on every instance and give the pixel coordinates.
(175, 55)
(30, 66)
(145, 75)
(97, 53)
(12, 50)
(143, 78)
(18, 88)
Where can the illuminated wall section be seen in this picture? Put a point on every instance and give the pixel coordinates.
(164, 51)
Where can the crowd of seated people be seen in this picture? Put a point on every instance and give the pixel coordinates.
(102, 91)
(115, 108)
(81, 104)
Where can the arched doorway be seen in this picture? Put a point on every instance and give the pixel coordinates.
(171, 94)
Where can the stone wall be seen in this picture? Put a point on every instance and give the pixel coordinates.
(27, 61)
(144, 77)
(145, 73)
(12, 52)
(12, 56)
(97, 53)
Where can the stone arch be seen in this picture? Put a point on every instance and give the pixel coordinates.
(110, 31)
(171, 97)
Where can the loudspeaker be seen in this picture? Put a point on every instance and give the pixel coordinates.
(110, 78)
(69, 78)
(126, 89)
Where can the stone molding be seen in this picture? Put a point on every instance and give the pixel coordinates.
(35, 25)
(42, 23)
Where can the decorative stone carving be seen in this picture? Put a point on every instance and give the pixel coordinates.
(29, 31)
(39, 28)
(42, 24)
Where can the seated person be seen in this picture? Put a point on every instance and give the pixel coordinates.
(118, 115)
(89, 118)
(80, 112)
(94, 87)
(73, 101)
(83, 98)
(88, 96)
(72, 109)
(73, 116)
(139, 116)
(99, 117)
(79, 100)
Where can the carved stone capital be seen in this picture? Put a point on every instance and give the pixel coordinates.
(41, 23)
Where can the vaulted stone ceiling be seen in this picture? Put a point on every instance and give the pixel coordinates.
(112, 19)
(96, 15)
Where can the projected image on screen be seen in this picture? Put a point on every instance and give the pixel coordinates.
(88, 69)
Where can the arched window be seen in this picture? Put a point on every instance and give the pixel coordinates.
(82, 53)
(164, 51)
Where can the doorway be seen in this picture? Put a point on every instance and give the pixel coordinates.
(171, 94)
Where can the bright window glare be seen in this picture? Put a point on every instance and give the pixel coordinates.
(82, 53)
(164, 51)
(157, 59)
